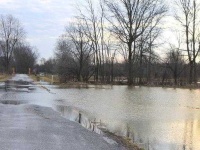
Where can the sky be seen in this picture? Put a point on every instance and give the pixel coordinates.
(43, 20)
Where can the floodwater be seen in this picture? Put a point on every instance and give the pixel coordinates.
(155, 118)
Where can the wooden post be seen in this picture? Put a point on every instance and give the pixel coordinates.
(51, 79)
(13, 70)
(93, 127)
(29, 71)
(6, 82)
(128, 131)
(79, 118)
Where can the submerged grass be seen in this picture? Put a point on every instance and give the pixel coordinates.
(74, 84)
(126, 142)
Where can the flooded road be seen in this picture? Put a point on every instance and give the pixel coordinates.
(155, 118)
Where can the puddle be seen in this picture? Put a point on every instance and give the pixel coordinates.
(11, 102)
(19, 86)
(22, 82)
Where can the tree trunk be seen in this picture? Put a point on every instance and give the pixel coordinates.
(175, 78)
(191, 72)
(130, 65)
(80, 63)
(140, 69)
(194, 42)
(195, 71)
(112, 73)
(149, 63)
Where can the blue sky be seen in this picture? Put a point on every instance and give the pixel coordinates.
(43, 20)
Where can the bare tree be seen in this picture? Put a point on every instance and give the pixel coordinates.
(130, 19)
(11, 32)
(64, 60)
(89, 16)
(24, 58)
(176, 63)
(92, 15)
(145, 47)
(188, 18)
(47, 67)
(81, 50)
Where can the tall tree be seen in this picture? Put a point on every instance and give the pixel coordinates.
(130, 19)
(24, 57)
(64, 60)
(11, 32)
(188, 18)
(175, 63)
(90, 18)
(81, 50)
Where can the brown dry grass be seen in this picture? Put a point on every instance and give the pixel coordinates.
(126, 142)
(4, 77)
(46, 78)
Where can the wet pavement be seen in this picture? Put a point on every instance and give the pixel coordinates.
(27, 121)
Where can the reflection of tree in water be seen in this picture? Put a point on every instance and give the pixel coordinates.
(188, 135)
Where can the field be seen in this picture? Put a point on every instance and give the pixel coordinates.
(4, 77)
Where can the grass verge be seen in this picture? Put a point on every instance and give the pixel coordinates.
(4, 77)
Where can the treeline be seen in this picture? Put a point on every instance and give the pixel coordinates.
(110, 41)
(16, 55)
